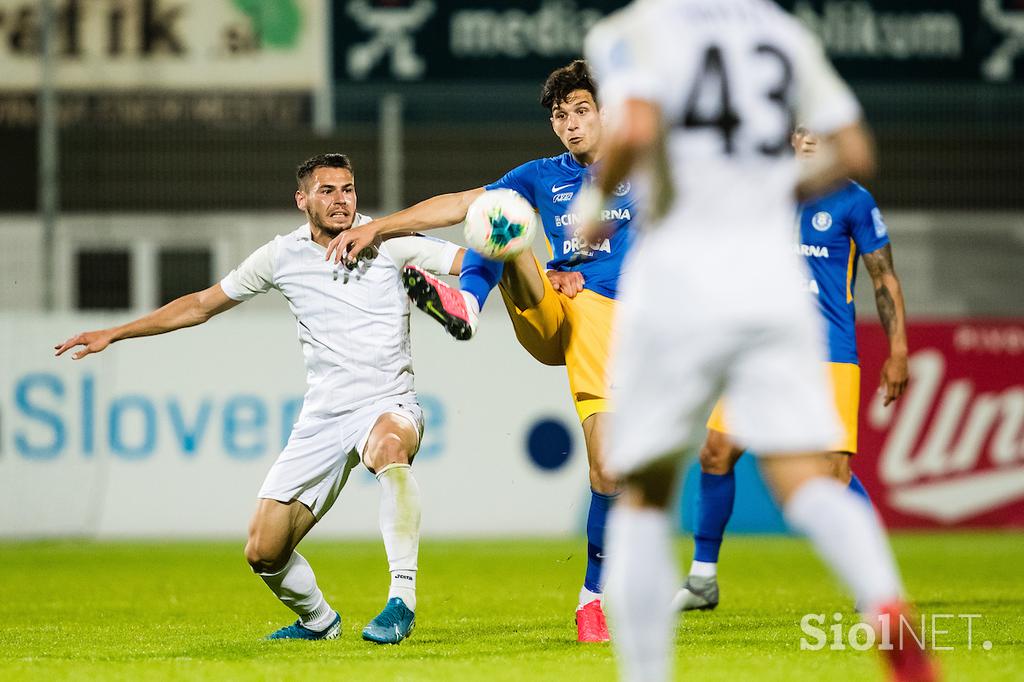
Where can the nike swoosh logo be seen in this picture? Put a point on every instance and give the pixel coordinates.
(559, 188)
(432, 309)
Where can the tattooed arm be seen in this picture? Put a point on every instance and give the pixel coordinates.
(891, 313)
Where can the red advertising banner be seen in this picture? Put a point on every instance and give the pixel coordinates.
(950, 452)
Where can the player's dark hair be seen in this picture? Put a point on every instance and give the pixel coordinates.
(561, 82)
(331, 160)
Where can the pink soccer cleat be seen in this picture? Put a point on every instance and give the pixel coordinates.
(907, 661)
(444, 303)
(590, 623)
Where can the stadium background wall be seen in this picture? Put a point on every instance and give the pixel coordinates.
(177, 140)
(171, 435)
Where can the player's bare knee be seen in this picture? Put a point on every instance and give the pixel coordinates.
(388, 449)
(265, 556)
(601, 481)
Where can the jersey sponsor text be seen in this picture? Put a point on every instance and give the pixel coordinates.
(575, 244)
(607, 215)
(812, 251)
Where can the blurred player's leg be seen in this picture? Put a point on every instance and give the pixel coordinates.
(389, 450)
(849, 537)
(844, 530)
(642, 574)
(590, 621)
(275, 530)
(714, 508)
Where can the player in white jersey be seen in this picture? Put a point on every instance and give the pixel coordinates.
(704, 94)
(355, 410)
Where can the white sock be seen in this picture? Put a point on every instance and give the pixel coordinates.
(295, 585)
(703, 569)
(849, 537)
(641, 580)
(473, 308)
(400, 528)
(586, 596)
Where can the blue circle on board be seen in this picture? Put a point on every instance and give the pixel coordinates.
(549, 444)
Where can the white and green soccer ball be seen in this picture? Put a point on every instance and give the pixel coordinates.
(500, 224)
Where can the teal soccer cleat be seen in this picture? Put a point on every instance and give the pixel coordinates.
(297, 631)
(392, 625)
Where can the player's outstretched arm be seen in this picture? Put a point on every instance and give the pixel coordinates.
(443, 210)
(891, 313)
(187, 311)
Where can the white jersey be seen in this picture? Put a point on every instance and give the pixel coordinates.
(731, 78)
(714, 299)
(353, 324)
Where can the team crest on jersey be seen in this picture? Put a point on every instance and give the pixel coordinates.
(821, 221)
(622, 189)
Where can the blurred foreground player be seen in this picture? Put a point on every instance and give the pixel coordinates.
(835, 231)
(563, 318)
(705, 92)
(352, 411)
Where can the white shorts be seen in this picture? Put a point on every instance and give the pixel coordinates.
(678, 351)
(320, 454)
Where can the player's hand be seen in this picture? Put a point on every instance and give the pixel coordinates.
(568, 283)
(94, 342)
(350, 243)
(894, 378)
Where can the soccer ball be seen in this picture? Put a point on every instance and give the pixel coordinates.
(500, 224)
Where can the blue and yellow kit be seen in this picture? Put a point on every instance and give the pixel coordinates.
(574, 332)
(834, 231)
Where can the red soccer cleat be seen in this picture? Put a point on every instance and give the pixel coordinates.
(444, 303)
(590, 623)
(907, 660)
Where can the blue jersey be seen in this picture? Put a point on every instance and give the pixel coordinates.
(834, 231)
(550, 185)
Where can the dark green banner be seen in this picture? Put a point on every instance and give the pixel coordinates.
(522, 40)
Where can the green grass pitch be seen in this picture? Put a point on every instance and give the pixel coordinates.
(489, 610)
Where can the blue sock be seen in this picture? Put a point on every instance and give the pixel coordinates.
(717, 494)
(858, 488)
(596, 521)
(479, 275)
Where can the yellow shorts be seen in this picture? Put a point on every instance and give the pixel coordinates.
(845, 378)
(575, 332)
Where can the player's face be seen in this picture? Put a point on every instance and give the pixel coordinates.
(328, 198)
(805, 143)
(577, 123)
